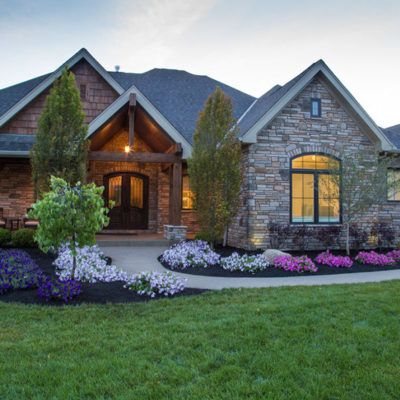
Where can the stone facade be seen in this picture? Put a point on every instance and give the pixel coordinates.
(98, 96)
(265, 196)
(175, 233)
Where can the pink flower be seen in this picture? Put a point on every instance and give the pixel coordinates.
(298, 264)
(371, 257)
(328, 259)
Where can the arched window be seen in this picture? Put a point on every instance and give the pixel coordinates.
(315, 189)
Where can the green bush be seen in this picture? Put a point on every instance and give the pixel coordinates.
(23, 238)
(204, 236)
(5, 237)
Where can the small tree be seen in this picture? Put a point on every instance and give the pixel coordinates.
(362, 182)
(214, 169)
(61, 147)
(69, 215)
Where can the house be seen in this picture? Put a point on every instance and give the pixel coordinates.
(141, 130)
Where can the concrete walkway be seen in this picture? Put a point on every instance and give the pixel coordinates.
(144, 258)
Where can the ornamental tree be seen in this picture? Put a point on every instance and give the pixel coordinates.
(69, 215)
(363, 184)
(61, 146)
(214, 169)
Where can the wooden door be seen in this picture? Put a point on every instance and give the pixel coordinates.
(129, 191)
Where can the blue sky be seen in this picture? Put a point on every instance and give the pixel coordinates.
(251, 45)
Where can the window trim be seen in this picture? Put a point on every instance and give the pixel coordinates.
(387, 188)
(315, 173)
(314, 99)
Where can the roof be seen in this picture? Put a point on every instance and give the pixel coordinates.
(393, 134)
(180, 95)
(16, 144)
(12, 94)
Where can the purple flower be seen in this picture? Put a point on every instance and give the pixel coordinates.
(298, 264)
(373, 258)
(328, 259)
(64, 290)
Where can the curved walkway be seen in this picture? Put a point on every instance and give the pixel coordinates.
(141, 258)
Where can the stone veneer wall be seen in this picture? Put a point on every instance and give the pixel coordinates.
(265, 194)
(16, 187)
(99, 95)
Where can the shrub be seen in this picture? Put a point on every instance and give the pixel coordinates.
(195, 253)
(91, 265)
(373, 258)
(298, 264)
(18, 271)
(278, 233)
(23, 238)
(58, 289)
(245, 263)
(328, 259)
(203, 236)
(5, 237)
(155, 283)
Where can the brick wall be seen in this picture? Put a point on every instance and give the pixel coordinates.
(16, 187)
(265, 196)
(99, 95)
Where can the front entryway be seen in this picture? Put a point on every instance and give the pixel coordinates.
(129, 192)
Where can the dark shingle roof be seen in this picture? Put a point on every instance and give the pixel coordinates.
(266, 102)
(16, 142)
(12, 94)
(180, 96)
(393, 134)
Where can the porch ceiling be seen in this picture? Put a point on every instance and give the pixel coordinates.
(146, 129)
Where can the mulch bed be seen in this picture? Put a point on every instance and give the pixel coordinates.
(100, 293)
(272, 272)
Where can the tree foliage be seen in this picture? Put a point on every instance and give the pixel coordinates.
(70, 215)
(61, 147)
(214, 169)
(362, 181)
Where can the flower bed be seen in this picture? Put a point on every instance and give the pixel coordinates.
(91, 266)
(371, 257)
(298, 264)
(196, 253)
(18, 271)
(330, 260)
(58, 289)
(244, 263)
(155, 283)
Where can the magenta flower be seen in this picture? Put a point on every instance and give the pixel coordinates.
(298, 264)
(373, 258)
(328, 259)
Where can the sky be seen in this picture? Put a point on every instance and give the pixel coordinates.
(251, 45)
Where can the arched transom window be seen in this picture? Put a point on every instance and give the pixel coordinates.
(315, 189)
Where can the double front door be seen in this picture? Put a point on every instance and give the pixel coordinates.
(129, 192)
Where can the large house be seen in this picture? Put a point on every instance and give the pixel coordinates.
(141, 133)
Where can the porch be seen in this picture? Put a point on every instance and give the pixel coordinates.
(143, 172)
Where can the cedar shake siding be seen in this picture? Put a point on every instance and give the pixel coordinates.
(265, 196)
(98, 96)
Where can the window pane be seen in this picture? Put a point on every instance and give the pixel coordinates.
(328, 202)
(315, 108)
(315, 161)
(393, 179)
(302, 197)
(136, 192)
(187, 195)
(114, 190)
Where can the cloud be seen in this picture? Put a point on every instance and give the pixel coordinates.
(146, 31)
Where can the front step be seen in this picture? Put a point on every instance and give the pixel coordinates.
(133, 242)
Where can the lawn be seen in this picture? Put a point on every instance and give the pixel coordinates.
(338, 342)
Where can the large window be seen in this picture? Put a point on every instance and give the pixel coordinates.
(393, 187)
(315, 193)
(187, 195)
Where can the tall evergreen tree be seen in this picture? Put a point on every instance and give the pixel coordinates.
(61, 147)
(214, 169)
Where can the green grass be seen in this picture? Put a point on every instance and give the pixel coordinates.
(337, 342)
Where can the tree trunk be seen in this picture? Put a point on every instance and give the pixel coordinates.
(347, 238)
(225, 236)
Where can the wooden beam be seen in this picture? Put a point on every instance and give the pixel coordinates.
(131, 119)
(133, 157)
(176, 148)
(175, 194)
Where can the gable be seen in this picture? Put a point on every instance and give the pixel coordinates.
(99, 95)
(337, 125)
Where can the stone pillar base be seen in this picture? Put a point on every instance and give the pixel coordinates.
(175, 233)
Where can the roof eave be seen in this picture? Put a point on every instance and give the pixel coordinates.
(14, 154)
(81, 54)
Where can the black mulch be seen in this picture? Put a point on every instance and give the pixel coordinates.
(100, 293)
(217, 270)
